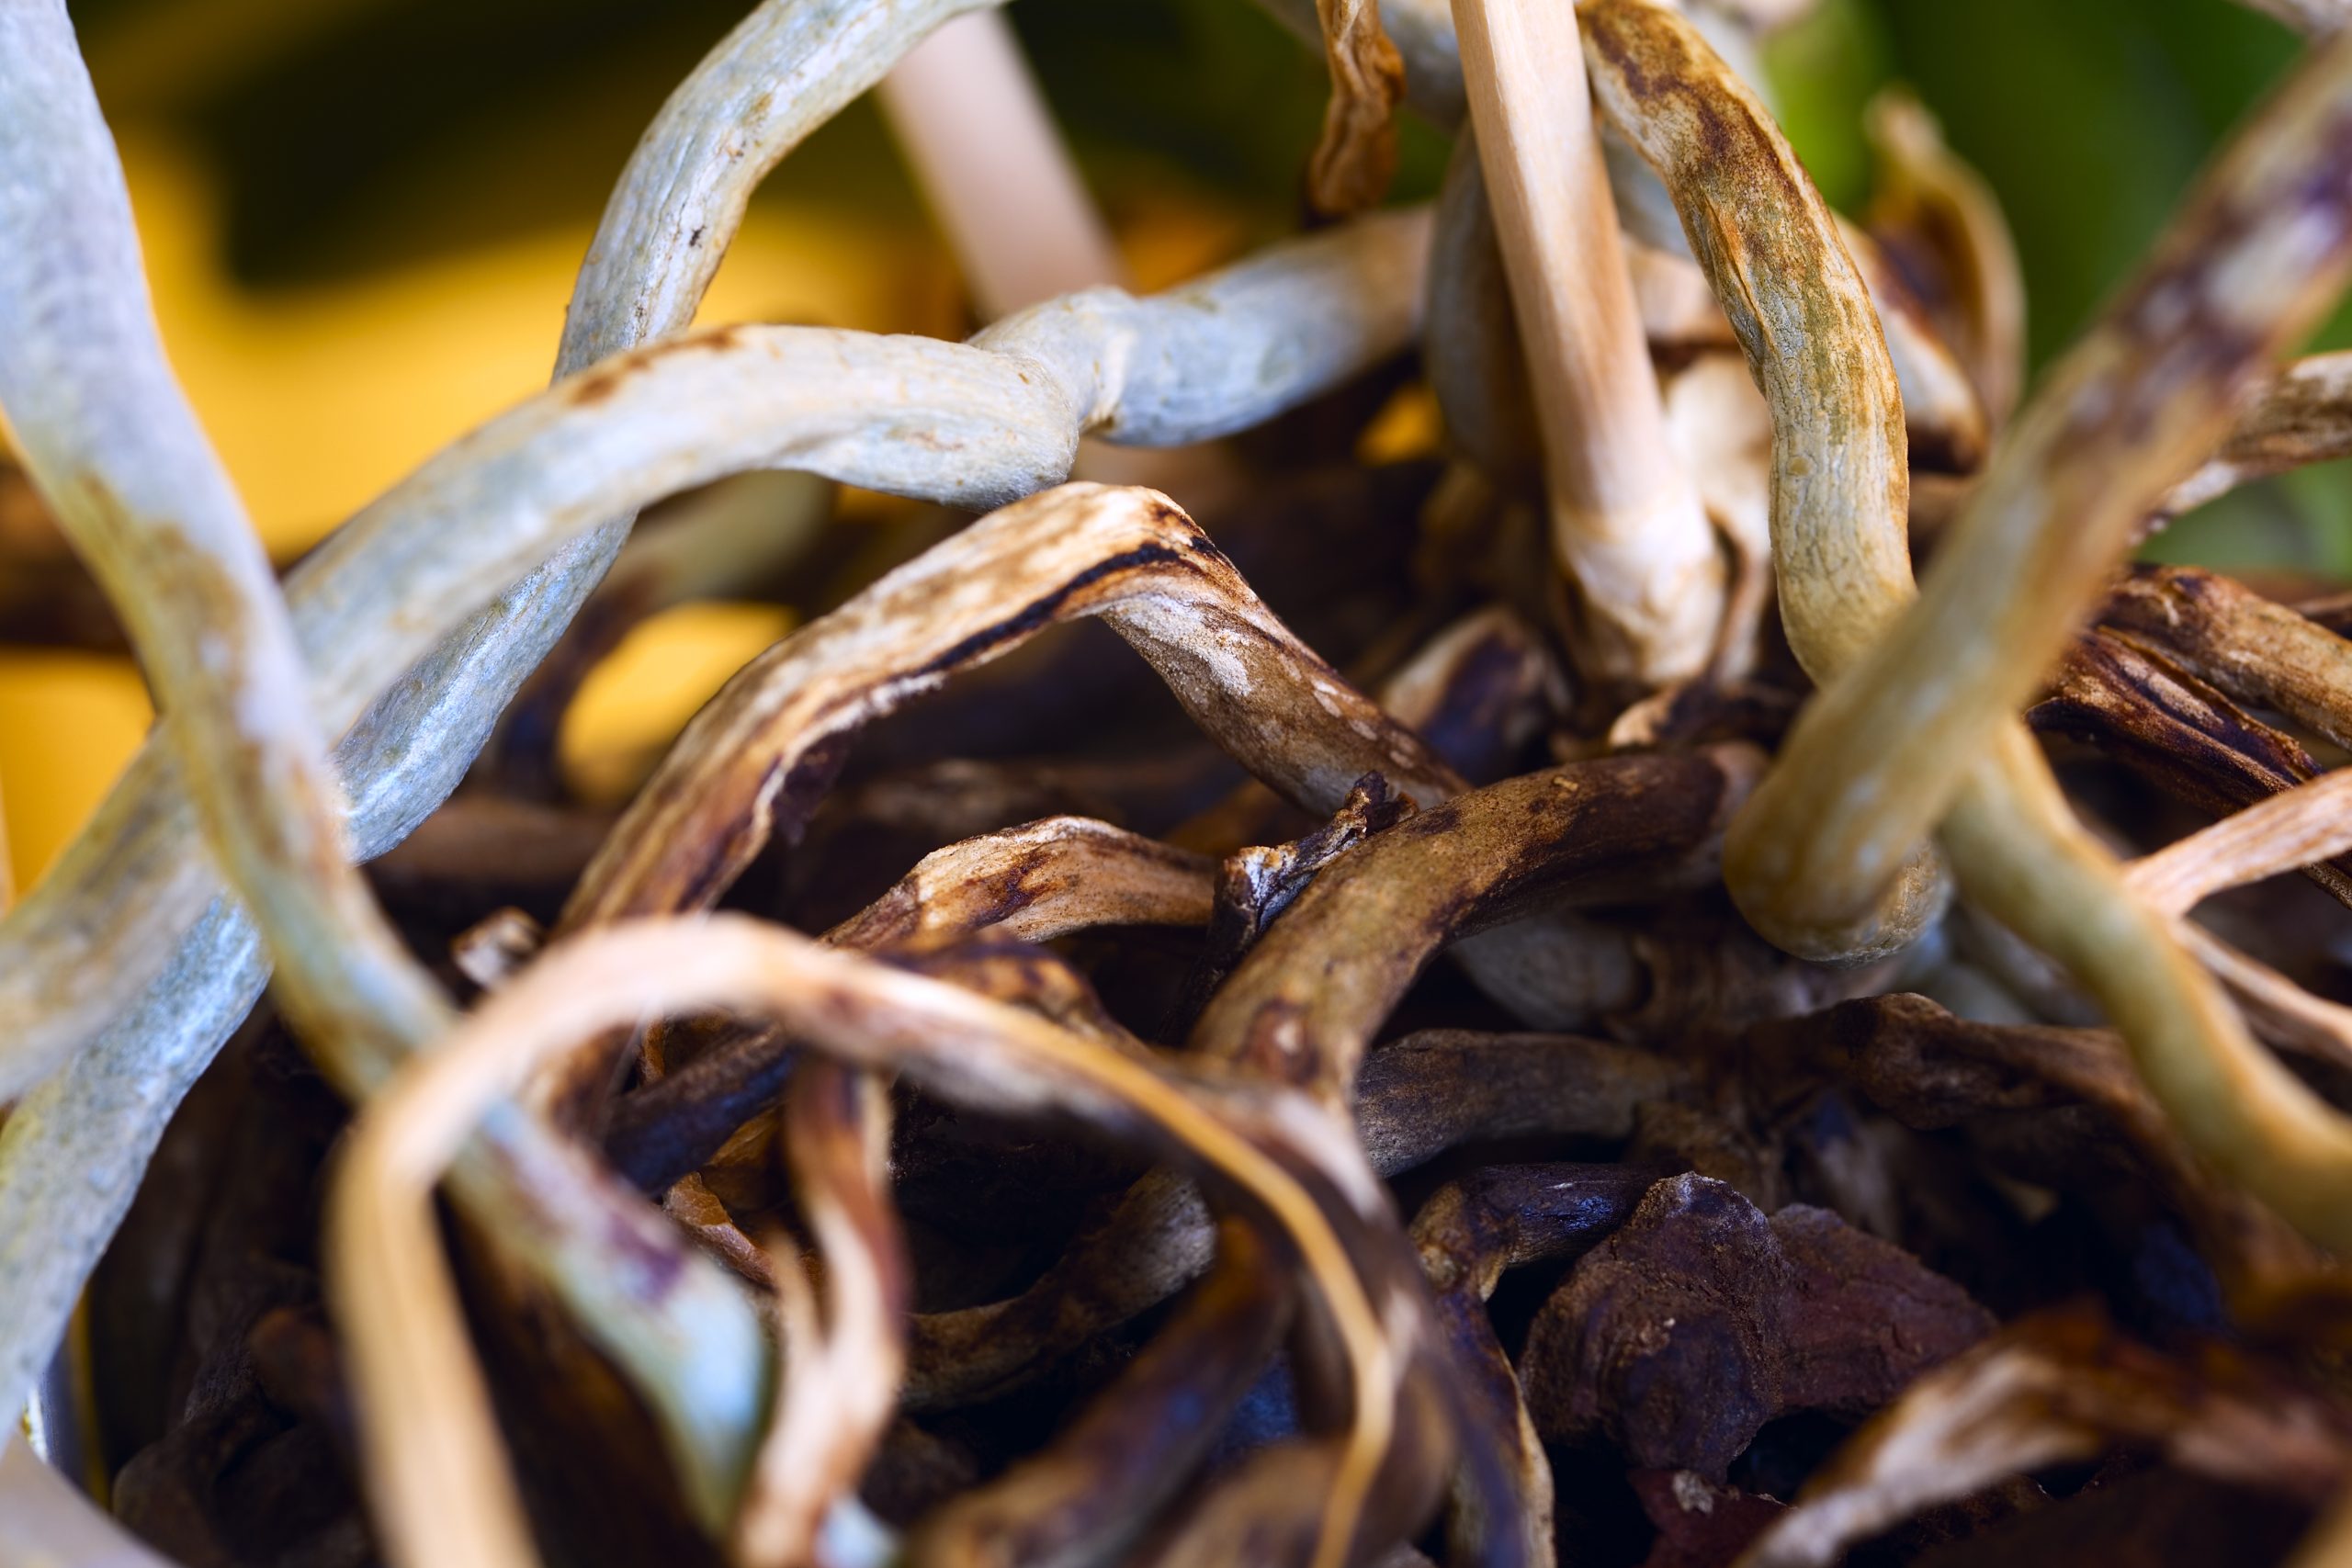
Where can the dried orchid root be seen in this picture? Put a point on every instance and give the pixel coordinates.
(1130, 1449)
(1301, 1009)
(146, 882)
(1761, 1028)
(443, 1489)
(1467, 1234)
(756, 760)
(842, 1373)
(2161, 722)
(2045, 1391)
(1004, 420)
(2262, 654)
(113, 444)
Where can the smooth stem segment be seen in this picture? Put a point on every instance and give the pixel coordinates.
(993, 169)
(1628, 527)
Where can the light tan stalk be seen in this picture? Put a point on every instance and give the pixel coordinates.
(1627, 529)
(993, 170)
(843, 1365)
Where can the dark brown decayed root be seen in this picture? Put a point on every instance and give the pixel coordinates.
(777, 735)
(1479, 692)
(1082, 550)
(1699, 1320)
(1258, 1514)
(1302, 1008)
(2235, 1105)
(1931, 1070)
(1102, 1479)
(1026, 884)
(2257, 650)
(1840, 459)
(434, 1465)
(1431, 1091)
(2047, 1390)
(1016, 973)
(1357, 155)
(1467, 1234)
(2176, 731)
(1254, 885)
(756, 759)
(1419, 1097)
(1034, 883)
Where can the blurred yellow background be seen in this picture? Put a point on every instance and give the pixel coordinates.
(321, 391)
(320, 397)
